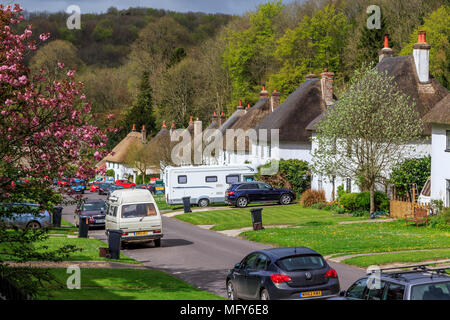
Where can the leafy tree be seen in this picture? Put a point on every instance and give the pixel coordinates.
(103, 30)
(367, 130)
(437, 26)
(371, 41)
(315, 44)
(138, 157)
(48, 56)
(409, 171)
(248, 53)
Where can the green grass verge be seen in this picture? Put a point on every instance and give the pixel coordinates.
(89, 249)
(404, 257)
(125, 284)
(271, 215)
(354, 238)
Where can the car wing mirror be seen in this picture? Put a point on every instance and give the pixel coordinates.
(342, 293)
(237, 266)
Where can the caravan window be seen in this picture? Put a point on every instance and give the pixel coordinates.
(182, 179)
(211, 179)
(234, 178)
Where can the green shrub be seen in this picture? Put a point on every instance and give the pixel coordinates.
(110, 173)
(319, 205)
(381, 201)
(340, 191)
(416, 170)
(440, 221)
(349, 201)
(339, 210)
(360, 213)
(310, 197)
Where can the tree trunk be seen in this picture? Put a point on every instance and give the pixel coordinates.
(372, 197)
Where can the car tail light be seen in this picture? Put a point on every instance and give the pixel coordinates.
(230, 193)
(157, 231)
(331, 274)
(279, 278)
(125, 233)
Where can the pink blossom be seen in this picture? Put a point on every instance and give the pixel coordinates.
(60, 65)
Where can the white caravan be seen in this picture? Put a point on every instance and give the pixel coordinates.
(134, 211)
(204, 184)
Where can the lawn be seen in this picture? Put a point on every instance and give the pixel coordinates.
(125, 284)
(239, 218)
(354, 238)
(404, 257)
(89, 249)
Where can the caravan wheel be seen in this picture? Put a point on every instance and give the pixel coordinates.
(203, 203)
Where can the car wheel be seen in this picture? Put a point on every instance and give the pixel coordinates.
(285, 199)
(203, 203)
(33, 225)
(157, 243)
(264, 295)
(242, 202)
(231, 293)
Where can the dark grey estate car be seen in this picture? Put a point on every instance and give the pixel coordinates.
(421, 283)
(282, 273)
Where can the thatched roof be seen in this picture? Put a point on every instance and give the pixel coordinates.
(296, 112)
(120, 151)
(403, 70)
(440, 113)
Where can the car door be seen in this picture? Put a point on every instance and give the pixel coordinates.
(255, 276)
(241, 275)
(357, 290)
(253, 192)
(267, 192)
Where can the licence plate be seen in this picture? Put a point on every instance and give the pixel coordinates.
(310, 294)
(159, 188)
(141, 233)
(100, 221)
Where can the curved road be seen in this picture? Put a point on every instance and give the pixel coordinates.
(198, 256)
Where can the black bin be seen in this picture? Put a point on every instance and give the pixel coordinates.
(114, 239)
(56, 216)
(187, 204)
(83, 227)
(257, 218)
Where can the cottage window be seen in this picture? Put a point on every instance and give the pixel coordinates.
(348, 185)
(448, 140)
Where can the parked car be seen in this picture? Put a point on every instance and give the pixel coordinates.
(421, 283)
(241, 194)
(25, 216)
(77, 185)
(63, 182)
(93, 187)
(113, 188)
(282, 273)
(125, 183)
(103, 188)
(92, 209)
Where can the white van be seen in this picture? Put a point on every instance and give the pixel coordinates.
(204, 184)
(134, 211)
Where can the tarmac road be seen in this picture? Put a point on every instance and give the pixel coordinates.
(199, 256)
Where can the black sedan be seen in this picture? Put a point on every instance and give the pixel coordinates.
(104, 188)
(243, 193)
(282, 273)
(94, 210)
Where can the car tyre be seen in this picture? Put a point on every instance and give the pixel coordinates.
(241, 202)
(157, 243)
(264, 295)
(231, 292)
(33, 225)
(203, 203)
(285, 199)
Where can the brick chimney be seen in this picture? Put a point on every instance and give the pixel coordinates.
(421, 54)
(164, 125)
(214, 117)
(172, 128)
(386, 51)
(263, 93)
(326, 85)
(274, 100)
(222, 118)
(143, 135)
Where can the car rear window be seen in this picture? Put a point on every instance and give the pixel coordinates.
(94, 206)
(301, 262)
(431, 291)
(138, 210)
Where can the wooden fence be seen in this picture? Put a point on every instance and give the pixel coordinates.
(400, 209)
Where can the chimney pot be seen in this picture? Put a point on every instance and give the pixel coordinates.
(239, 105)
(386, 51)
(164, 125)
(263, 92)
(134, 127)
(275, 100)
(190, 119)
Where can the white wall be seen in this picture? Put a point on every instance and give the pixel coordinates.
(440, 164)
(120, 170)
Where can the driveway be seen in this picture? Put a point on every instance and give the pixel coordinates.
(199, 256)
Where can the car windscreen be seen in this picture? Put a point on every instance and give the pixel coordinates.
(94, 206)
(301, 262)
(138, 210)
(431, 291)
